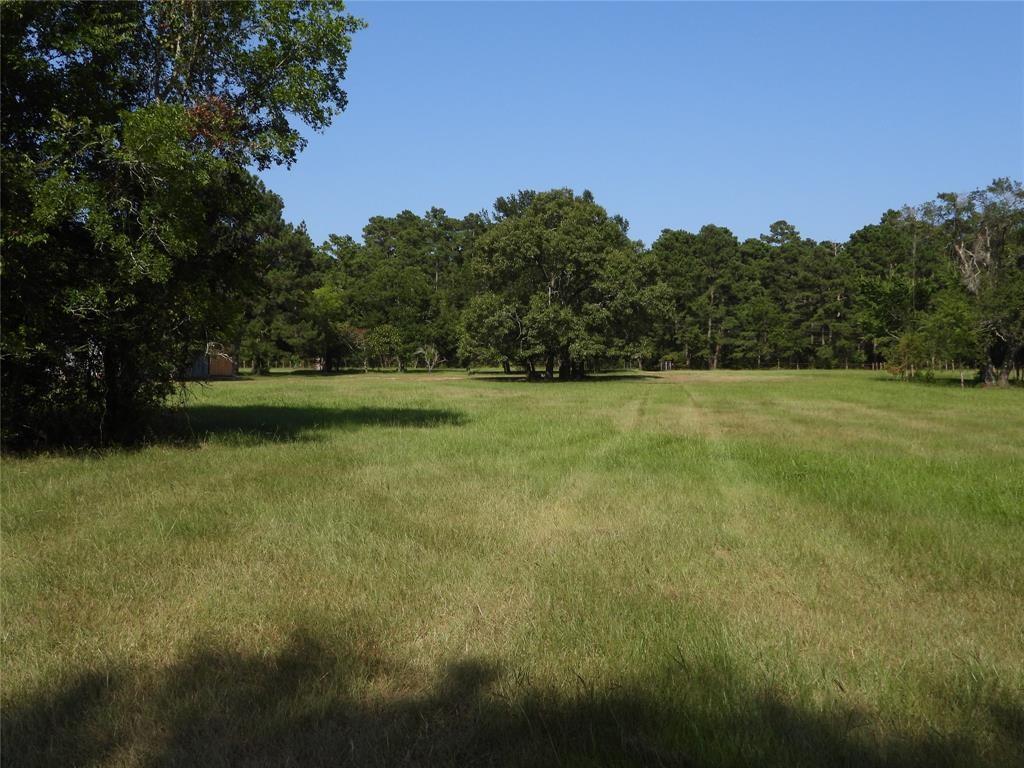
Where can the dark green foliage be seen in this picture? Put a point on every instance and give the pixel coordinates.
(701, 271)
(130, 225)
(780, 300)
(439, 286)
(550, 281)
(985, 233)
(288, 315)
(383, 346)
(565, 285)
(410, 274)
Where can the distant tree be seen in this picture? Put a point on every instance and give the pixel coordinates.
(791, 272)
(544, 264)
(334, 339)
(492, 332)
(985, 235)
(755, 326)
(898, 265)
(950, 330)
(284, 316)
(639, 307)
(410, 273)
(514, 205)
(430, 356)
(383, 344)
(700, 270)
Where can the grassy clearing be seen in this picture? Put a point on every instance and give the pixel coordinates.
(779, 568)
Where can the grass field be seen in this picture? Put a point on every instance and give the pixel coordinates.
(693, 569)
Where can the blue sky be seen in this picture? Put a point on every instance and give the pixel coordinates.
(674, 115)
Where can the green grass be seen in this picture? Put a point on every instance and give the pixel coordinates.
(698, 569)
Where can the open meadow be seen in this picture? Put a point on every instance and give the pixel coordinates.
(689, 568)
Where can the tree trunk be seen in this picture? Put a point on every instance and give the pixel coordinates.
(109, 424)
(996, 376)
(506, 366)
(564, 368)
(122, 415)
(549, 368)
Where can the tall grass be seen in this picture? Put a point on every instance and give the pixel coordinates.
(770, 568)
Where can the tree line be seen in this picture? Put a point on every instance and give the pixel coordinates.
(133, 234)
(551, 284)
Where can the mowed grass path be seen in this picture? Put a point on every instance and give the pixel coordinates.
(694, 569)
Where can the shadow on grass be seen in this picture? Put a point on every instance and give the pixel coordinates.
(189, 426)
(278, 423)
(308, 706)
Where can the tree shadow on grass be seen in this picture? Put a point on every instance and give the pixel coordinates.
(189, 426)
(308, 706)
(249, 424)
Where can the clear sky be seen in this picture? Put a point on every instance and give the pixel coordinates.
(674, 115)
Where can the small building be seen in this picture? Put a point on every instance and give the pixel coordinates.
(216, 363)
